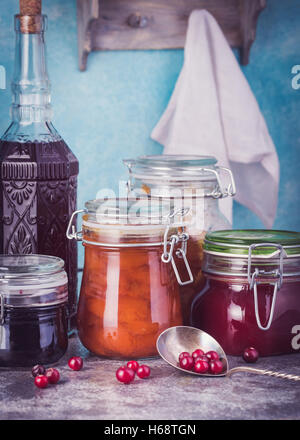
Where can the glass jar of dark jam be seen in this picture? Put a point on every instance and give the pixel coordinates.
(251, 294)
(33, 298)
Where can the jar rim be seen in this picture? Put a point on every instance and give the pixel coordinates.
(171, 160)
(32, 281)
(263, 243)
(132, 212)
(173, 167)
(21, 265)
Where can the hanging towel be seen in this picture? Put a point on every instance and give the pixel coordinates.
(213, 112)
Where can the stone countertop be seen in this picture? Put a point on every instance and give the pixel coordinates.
(94, 392)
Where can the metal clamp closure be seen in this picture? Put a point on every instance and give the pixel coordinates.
(1, 309)
(219, 191)
(253, 280)
(167, 255)
(71, 230)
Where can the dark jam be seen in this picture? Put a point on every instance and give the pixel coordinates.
(225, 310)
(38, 187)
(30, 336)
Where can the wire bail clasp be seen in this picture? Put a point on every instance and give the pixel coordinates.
(1, 309)
(71, 229)
(2, 304)
(167, 255)
(253, 280)
(220, 191)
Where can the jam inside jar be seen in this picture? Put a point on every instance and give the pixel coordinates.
(251, 294)
(128, 295)
(33, 310)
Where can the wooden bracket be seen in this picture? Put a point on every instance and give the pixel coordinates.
(87, 13)
(157, 24)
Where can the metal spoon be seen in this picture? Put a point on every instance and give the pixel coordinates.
(175, 340)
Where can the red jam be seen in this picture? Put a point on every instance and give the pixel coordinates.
(251, 294)
(225, 310)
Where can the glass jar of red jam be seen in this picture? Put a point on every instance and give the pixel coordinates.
(33, 301)
(130, 285)
(251, 295)
(188, 181)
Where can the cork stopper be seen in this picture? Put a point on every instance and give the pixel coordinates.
(30, 16)
(30, 7)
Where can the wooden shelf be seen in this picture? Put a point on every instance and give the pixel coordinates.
(157, 24)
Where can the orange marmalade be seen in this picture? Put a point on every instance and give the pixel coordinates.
(128, 294)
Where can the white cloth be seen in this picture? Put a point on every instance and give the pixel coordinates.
(213, 112)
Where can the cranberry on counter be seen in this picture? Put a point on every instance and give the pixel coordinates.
(75, 363)
(125, 375)
(143, 371)
(38, 370)
(250, 355)
(52, 375)
(134, 365)
(41, 381)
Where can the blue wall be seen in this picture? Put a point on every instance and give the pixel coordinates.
(108, 112)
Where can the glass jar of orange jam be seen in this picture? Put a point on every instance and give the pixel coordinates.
(130, 286)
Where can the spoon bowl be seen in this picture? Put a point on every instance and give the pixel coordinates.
(175, 340)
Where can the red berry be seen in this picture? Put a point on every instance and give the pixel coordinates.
(183, 354)
(203, 357)
(201, 367)
(125, 374)
(134, 365)
(75, 363)
(197, 353)
(250, 355)
(187, 363)
(215, 366)
(143, 371)
(52, 375)
(38, 370)
(212, 355)
(41, 381)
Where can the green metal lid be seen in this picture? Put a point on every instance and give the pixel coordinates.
(237, 242)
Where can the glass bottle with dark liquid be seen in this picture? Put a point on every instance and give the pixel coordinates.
(38, 171)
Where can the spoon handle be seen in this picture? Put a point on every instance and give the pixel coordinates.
(263, 372)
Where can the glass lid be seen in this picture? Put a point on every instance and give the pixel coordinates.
(16, 266)
(175, 160)
(32, 280)
(132, 212)
(238, 242)
(173, 167)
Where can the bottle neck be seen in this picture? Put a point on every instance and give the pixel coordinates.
(31, 109)
(30, 84)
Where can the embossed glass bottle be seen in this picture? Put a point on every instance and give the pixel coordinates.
(38, 171)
